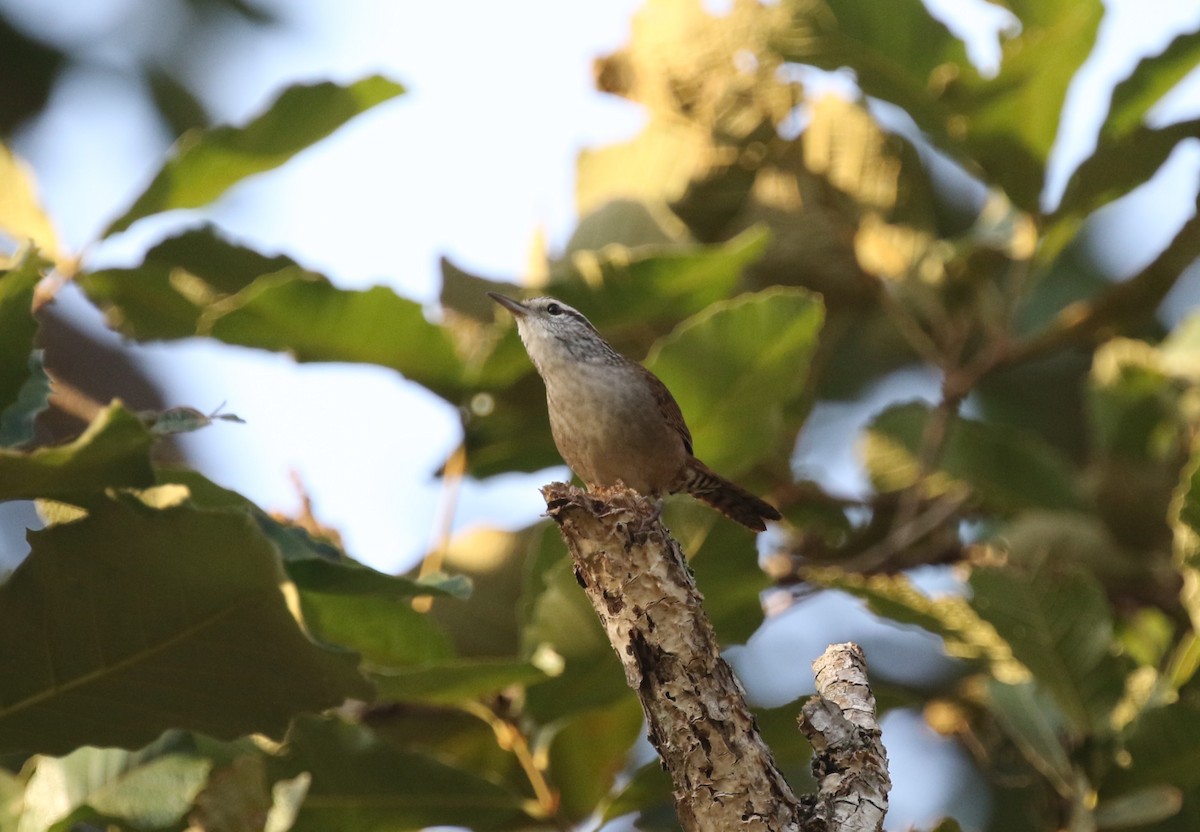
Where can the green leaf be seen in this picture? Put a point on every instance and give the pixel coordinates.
(589, 681)
(17, 329)
(561, 619)
(1034, 726)
(894, 56)
(114, 452)
(17, 421)
(454, 680)
(1118, 165)
(495, 561)
(624, 291)
(201, 284)
(1087, 541)
(629, 223)
(1151, 79)
(360, 784)
(205, 163)
(1184, 514)
(589, 751)
(1057, 621)
(313, 564)
(1133, 405)
(203, 492)
(658, 285)
(1140, 808)
(384, 631)
(1186, 508)
(179, 107)
(1181, 348)
(185, 627)
(791, 750)
(754, 348)
(1161, 746)
(349, 577)
(113, 784)
(946, 825)
(313, 320)
(655, 165)
(1005, 125)
(179, 279)
(965, 634)
(648, 789)
(1006, 469)
(12, 798)
(725, 564)
(1012, 120)
(463, 738)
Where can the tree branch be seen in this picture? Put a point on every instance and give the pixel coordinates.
(850, 762)
(638, 581)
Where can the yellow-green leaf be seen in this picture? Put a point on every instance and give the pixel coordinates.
(205, 163)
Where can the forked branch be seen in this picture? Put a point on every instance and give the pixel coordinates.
(639, 583)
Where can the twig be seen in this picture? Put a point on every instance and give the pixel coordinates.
(452, 479)
(71, 400)
(1079, 323)
(903, 535)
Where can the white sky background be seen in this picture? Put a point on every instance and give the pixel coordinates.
(470, 163)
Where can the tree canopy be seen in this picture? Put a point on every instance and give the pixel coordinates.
(176, 657)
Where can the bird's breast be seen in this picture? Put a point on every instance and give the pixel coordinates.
(608, 426)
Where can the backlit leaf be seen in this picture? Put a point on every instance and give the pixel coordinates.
(1058, 622)
(111, 783)
(965, 634)
(384, 631)
(131, 621)
(1006, 124)
(589, 751)
(1006, 469)
(17, 367)
(754, 348)
(1034, 727)
(113, 452)
(360, 784)
(454, 680)
(1152, 78)
(1163, 745)
(200, 284)
(205, 163)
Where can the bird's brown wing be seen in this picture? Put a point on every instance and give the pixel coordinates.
(669, 409)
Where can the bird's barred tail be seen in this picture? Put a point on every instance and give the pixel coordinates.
(730, 499)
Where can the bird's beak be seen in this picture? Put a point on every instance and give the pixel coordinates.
(514, 306)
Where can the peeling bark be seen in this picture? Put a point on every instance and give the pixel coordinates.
(724, 775)
(850, 762)
(639, 583)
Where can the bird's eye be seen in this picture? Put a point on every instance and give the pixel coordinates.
(554, 309)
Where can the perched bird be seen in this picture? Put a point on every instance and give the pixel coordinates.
(613, 420)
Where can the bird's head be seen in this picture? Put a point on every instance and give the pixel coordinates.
(552, 331)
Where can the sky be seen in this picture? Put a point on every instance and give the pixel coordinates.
(475, 159)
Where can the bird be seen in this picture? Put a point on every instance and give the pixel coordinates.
(613, 421)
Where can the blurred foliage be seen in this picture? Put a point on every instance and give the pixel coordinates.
(177, 658)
